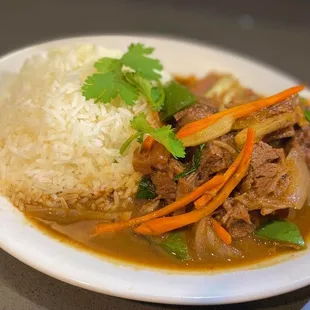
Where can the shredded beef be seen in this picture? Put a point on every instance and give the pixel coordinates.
(266, 182)
(214, 158)
(165, 186)
(203, 108)
(267, 172)
(186, 185)
(283, 133)
(237, 219)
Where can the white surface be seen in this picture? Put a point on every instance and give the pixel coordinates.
(68, 264)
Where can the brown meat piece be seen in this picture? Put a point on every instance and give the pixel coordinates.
(186, 185)
(287, 132)
(302, 142)
(203, 108)
(287, 105)
(213, 159)
(245, 96)
(145, 162)
(204, 84)
(267, 172)
(237, 219)
(165, 186)
(175, 166)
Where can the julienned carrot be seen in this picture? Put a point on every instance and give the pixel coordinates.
(180, 203)
(186, 80)
(238, 111)
(221, 231)
(204, 199)
(162, 225)
(147, 144)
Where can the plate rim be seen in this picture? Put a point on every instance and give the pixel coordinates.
(203, 300)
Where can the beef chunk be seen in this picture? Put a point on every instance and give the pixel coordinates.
(186, 185)
(165, 186)
(175, 166)
(243, 96)
(237, 219)
(201, 109)
(288, 105)
(287, 132)
(302, 142)
(266, 182)
(214, 158)
(156, 158)
(204, 84)
(267, 172)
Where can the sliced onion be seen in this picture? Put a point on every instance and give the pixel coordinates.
(267, 126)
(298, 190)
(216, 130)
(67, 216)
(207, 241)
(291, 214)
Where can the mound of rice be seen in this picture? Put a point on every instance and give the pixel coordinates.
(58, 149)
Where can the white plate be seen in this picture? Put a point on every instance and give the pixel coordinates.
(79, 268)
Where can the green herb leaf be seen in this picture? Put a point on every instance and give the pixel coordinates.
(164, 135)
(112, 80)
(282, 231)
(155, 95)
(177, 98)
(137, 59)
(106, 64)
(146, 189)
(107, 86)
(174, 244)
(195, 164)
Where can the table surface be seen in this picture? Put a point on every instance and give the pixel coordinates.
(278, 36)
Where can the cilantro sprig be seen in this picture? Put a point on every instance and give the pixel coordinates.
(134, 74)
(164, 135)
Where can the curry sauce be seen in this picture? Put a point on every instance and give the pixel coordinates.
(126, 247)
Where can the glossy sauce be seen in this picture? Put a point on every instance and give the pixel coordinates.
(126, 246)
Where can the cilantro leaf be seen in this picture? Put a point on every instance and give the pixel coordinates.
(137, 59)
(108, 64)
(112, 79)
(155, 95)
(164, 135)
(107, 86)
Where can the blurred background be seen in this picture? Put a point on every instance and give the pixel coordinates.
(276, 32)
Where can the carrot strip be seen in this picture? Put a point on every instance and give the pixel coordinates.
(162, 225)
(147, 144)
(178, 204)
(186, 80)
(221, 231)
(238, 111)
(204, 199)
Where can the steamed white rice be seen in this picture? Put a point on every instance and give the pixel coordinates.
(58, 149)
